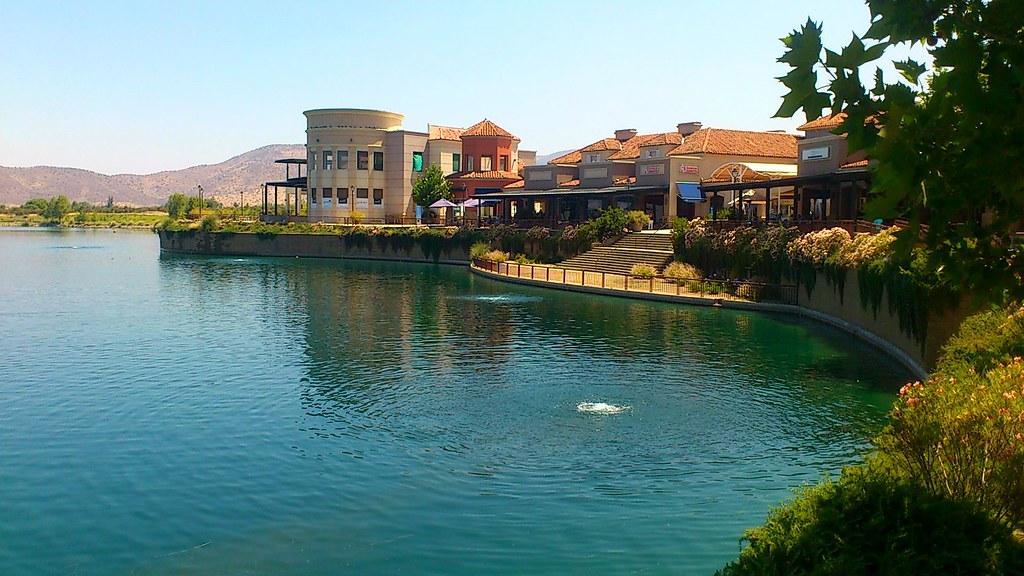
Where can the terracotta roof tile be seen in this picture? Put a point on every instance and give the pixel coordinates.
(631, 147)
(823, 123)
(624, 180)
(857, 164)
(488, 175)
(570, 158)
(516, 184)
(603, 145)
(663, 139)
(739, 143)
(487, 128)
(444, 133)
(570, 183)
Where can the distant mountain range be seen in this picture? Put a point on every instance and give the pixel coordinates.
(224, 181)
(243, 173)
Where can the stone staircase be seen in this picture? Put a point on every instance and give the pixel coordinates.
(654, 248)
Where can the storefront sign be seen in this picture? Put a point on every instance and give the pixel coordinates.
(689, 169)
(652, 169)
(823, 153)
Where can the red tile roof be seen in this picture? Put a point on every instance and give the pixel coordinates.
(823, 123)
(570, 183)
(487, 128)
(603, 145)
(624, 180)
(739, 143)
(445, 133)
(488, 175)
(516, 184)
(631, 147)
(663, 139)
(570, 158)
(857, 164)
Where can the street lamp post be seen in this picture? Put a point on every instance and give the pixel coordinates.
(738, 203)
(200, 186)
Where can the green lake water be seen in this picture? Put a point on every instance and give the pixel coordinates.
(163, 414)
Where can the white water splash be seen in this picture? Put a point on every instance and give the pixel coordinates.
(600, 408)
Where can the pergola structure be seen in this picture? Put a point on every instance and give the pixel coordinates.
(835, 195)
(566, 205)
(293, 185)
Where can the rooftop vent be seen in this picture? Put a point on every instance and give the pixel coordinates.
(625, 134)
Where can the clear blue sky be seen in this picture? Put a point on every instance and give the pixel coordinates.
(139, 87)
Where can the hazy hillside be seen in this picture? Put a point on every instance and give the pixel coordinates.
(547, 157)
(243, 173)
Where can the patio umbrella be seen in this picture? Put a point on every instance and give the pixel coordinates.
(442, 203)
(471, 203)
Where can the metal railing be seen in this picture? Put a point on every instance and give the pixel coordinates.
(705, 288)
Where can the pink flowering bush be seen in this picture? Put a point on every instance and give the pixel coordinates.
(962, 436)
(817, 248)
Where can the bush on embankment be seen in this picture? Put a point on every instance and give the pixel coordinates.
(777, 253)
(942, 492)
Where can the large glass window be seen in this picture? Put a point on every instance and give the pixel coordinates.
(362, 160)
(362, 193)
(342, 159)
(485, 164)
(503, 165)
(342, 196)
(328, 160)
(378, 196)
(328, 192)
(312, 160)
(417, 161)
(378, 160)
(362, 198)
(456, 162)
(312, 195)
(469, 163)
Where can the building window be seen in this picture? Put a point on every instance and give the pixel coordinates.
(312, 195)
(378, 160)
(342, 196)
(594, 158)
(342, 159)
(653, 153)
(485, 163)
(362, 193)
(328, 160)
(312, 161)
(503, 163)
(456, 162)
(378, 196)
(362, 198)
(362, 160)
(469, 163)
(328, 192)
(417, 161)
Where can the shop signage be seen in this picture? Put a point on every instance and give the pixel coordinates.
(823, 153)
(689, 169)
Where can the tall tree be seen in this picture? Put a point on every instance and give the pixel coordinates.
(948, 143)
(57, 208)
(177, 205)
(431, 187)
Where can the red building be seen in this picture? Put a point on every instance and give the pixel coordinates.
(490, 160)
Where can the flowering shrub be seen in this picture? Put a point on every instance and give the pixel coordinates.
(866, 248)
(963, 436)
(479, 250)
(499, 232)
(815, 248)
(538, 233)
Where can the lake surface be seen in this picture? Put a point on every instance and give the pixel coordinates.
(163, 414)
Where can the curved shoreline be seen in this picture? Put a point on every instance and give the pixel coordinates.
(884, 345)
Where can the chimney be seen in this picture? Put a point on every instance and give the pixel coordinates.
(625, 134)
(687, 128)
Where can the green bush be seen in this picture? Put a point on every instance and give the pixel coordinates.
(496, 256)
(985, 340)
(680, 271)
(611, 222)
(637, 219)
(642, 270)
(870, 524)
(210, 224)
(962, 435)
(479, 250)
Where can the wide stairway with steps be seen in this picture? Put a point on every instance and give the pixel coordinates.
(654, 248)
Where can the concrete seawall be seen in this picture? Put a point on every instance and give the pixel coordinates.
(308, 246)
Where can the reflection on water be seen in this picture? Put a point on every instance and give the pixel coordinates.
(243, 415)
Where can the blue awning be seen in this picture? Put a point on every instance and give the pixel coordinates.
(691, 192)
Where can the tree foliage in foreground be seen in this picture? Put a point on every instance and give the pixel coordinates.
(431, 187)
(949, 143)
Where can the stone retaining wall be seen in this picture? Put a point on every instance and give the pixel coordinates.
(303, 245)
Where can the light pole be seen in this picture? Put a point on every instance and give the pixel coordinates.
(735, 172)
(200, 186)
